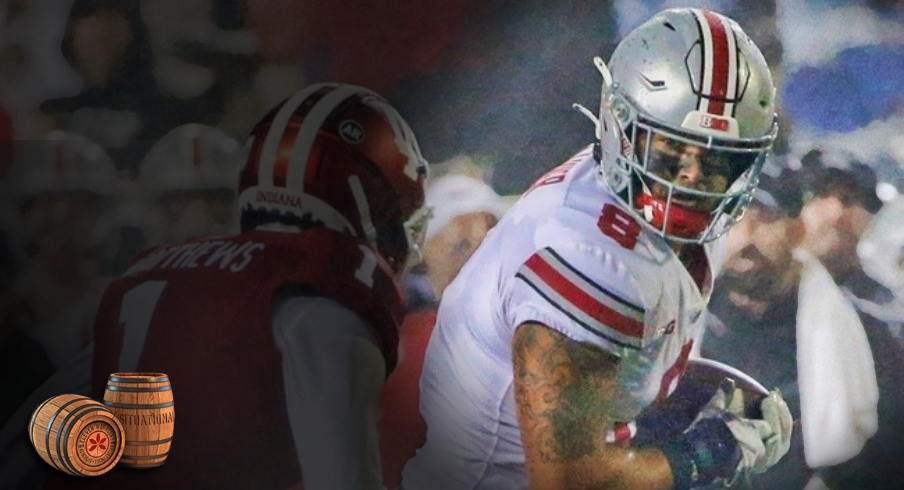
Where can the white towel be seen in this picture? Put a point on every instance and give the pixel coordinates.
(835, 370)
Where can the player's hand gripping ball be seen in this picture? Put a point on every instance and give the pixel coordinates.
(698, 384)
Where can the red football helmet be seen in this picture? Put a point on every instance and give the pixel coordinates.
(338, 156)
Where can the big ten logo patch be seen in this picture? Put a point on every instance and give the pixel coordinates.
(712, 122)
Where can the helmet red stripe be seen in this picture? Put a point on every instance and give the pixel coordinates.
(720, 67)
(280, 123)
(284, 153)
(314, 119)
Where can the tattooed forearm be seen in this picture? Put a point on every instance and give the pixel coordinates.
(561, 389)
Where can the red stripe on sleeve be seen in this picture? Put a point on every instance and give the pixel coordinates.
(582, 300)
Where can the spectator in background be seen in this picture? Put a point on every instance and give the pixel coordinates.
(187, 183)
(198, 44)
(759, 270)
(844, 203)
(120, 105)
(65, 187)
(32, 66)
(839, 203)
(464, 211)
(881, 251)
(822, 209)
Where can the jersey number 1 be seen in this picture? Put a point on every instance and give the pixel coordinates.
(135, 313)
(365, 271)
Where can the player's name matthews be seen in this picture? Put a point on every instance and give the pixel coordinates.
(220, 254)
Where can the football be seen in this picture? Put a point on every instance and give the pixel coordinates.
(698, 384)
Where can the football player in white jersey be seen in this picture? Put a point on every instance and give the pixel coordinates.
(582, 306)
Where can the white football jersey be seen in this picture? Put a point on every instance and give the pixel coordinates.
(569, 256)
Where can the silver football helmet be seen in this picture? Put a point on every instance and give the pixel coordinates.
(685, 123)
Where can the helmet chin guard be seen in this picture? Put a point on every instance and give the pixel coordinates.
(674, 220)
(685, 89)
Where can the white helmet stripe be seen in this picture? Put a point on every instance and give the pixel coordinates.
(733, 75)
(308, 133)
(275, 134)
(720, 64)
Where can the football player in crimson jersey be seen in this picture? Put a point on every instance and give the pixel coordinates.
(277, 340)
(582, 307)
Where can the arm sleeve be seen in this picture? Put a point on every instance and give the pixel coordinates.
(333, 373)
(587, 294)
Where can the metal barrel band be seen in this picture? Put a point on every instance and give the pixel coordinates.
(148, 443)
(136, 406)
(34, 420)
(126, 457)
(50, 426)
(138, 390)
(118, 379)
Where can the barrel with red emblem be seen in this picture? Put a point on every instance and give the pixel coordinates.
(76, 435)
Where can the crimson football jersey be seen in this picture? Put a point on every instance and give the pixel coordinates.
(402, 429)
(203, 309)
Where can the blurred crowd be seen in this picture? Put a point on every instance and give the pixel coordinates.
(122, 122)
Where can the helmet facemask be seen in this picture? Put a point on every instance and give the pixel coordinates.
(402, 244)
(388, 225)
(687, 187)
(415, 233)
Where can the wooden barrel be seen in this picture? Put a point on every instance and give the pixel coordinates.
(143, 402)
(76, 435)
